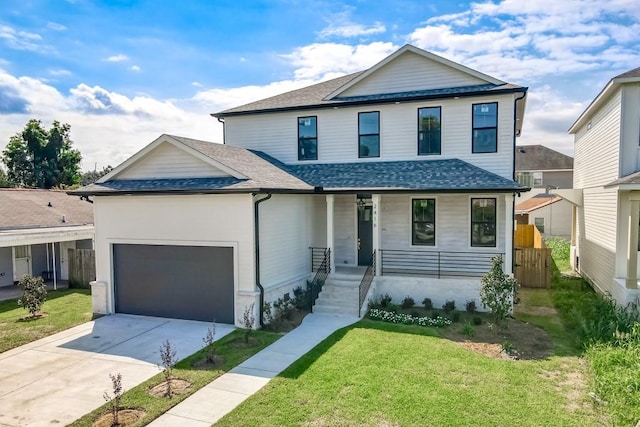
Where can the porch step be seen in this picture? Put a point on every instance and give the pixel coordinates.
(332, 309)
(340, 295)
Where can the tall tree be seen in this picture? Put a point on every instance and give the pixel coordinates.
(3, 179)
(41, 158)
(92, 176)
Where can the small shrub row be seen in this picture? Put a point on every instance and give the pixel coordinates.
(407, 319)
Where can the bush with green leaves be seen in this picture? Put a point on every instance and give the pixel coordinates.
(428, 304)
(497, 290)
(470, 306)
(407, 302)
(449, 306)
(34, 294)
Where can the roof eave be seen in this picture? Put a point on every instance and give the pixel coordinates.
(339, 104)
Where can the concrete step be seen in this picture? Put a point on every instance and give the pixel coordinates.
(333, 309)
(336, 303)
(338, 296)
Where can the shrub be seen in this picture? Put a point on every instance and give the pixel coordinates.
(477, 320)
(470, 306)
(497, 290)
(468, 330)
(34, 294)
(209, 338)
(248, 320)
(407, 302)
(387, 316)
(455, 316)
(168, 358)
(428, 304)
(507, 347)
(393, 308)
(449, 306)
(385, 300)
(113, 401)
(301, 298)
(283, 309)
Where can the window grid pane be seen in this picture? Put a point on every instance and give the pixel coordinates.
(483, 222)
(307, 138)
(485, 128)
(369, 134)
(424, 222)
(429, 131)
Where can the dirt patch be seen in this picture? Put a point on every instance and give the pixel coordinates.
(126, 417)
(29, 318)
(178, 386)
(207, 364)
(287, 325)
(539, 311)
(570, 381)
(527, 342)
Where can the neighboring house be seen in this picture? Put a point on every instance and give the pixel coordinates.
(37, 227)
(542, 168)
(407, 166)
(549, 213)
(606, 193)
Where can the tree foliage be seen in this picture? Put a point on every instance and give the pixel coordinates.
(34, 293)
(497, 290)
(90, 177)
(41, 158)
(4, 182)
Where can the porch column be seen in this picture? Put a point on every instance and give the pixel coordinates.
(508, 234)
(55, 280)
(574, 219)
(376, 198)
(330, 233)
(632, 248)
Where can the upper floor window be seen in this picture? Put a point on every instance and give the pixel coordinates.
(483, 222)
(423, 221)
(485, 128)
(308, 138)
(429, 133)
(369, 134)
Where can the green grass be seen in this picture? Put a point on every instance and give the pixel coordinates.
(232, 355)
(64, 309)
(375, 373)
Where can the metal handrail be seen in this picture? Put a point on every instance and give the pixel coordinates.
(315, 286)
(435, 263)
(317, 256)
(366, 281)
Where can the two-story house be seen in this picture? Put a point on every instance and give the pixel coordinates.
(606, 193)
(403, 172)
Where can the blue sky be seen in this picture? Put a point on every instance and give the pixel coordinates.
(123, 72)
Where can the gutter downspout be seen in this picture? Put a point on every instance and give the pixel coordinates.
(513, 201)
(224, 131)
(256, 229)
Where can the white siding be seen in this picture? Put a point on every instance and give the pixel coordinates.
(276, 133)
(207, 220)
(284, 239)
(597, 149)
(453, 223)
(168, 161)
(345, 230)
(597, 236)
(409, 72)
(630, 135)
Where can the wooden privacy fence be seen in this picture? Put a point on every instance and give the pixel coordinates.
(532, 258)
(82, 267)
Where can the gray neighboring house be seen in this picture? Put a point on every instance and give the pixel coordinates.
(37, 227)
(540, 167)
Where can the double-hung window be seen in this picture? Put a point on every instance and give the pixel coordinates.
(485, 128)
(483, 222)
(429, 131)
(369, 134)
(308, 138)
(423, 222)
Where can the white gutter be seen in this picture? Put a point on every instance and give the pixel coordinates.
(35, 236)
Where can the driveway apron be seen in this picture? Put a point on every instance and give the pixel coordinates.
(57, 379)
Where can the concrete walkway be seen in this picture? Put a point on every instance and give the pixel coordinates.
(57, 379)
(218, 398)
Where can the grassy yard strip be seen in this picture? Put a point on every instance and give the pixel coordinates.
(375, 373)
(230, 348)
(64, 309)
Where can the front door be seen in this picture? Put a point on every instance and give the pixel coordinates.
(64, 258)
(365, 232)
(21, 261)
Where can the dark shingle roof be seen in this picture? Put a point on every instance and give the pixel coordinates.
(540, 158)
(21, 208)
(633, 178)
(424, 175)
(631, 73)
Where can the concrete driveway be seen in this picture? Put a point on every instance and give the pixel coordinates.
(57, 379)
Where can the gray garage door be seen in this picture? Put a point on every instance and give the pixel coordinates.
(182, 282)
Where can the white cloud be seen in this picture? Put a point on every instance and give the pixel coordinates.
(23, 40)
(59, 72)
(135, 68)
(117, 58)
(352, 30)
(55, 26)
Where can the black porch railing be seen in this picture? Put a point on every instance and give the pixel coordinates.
(314, 287)
(365, 284)
(317, 256)
(435, 263)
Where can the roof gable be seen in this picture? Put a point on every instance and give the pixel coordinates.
(169, 157)
(540, 158)
(412, 69)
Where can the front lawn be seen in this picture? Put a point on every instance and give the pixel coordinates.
(63, 309)
(375, 373)
(230, 352)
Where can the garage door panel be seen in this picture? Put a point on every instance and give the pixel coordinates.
(186, 282)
